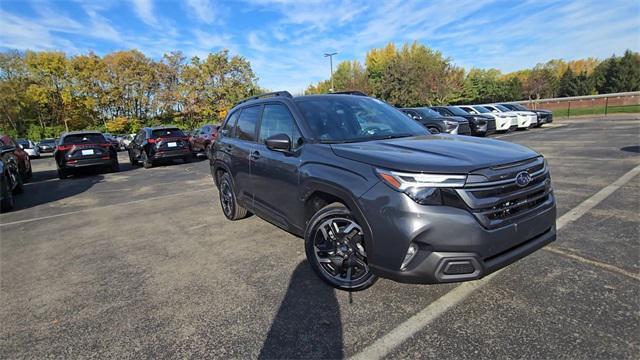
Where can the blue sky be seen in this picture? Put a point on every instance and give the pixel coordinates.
(285, 40)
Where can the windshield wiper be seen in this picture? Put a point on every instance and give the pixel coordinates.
(393, 136)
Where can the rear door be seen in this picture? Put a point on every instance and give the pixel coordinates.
(275, 174)
(239, 145)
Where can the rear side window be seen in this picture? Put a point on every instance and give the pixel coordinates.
(276, 119)
(84, 139)
(166, 132)
(246, 127)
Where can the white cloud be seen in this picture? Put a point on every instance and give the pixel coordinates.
(205, 11)
(144, 10)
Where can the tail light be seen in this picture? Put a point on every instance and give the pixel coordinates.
(64, 147)
(151, 141)
(105, 145)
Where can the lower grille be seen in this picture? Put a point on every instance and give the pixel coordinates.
(464, 129)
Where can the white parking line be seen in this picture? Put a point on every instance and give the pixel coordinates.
(385, 344)
(103, 207)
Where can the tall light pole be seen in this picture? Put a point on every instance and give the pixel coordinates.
(330, 56)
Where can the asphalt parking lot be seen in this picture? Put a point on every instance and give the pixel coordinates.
(142, 263)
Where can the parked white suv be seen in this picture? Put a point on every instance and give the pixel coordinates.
(525, 118)
(503, 121)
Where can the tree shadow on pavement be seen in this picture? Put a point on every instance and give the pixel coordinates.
(308, 323)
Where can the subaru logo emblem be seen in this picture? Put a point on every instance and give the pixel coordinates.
(523, 179)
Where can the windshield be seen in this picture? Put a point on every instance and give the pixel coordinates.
(25, 144)
(428, 113)
(519, 107)
(166, 132)
(502, 108)
(343, 118)
(457, 111)
(84, 139)
(481, 110)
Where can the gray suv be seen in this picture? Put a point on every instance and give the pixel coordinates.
(373, 193)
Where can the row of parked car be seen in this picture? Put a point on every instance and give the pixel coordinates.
(478, 120)
(93, 150)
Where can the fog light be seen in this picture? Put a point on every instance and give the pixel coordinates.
(411, 253)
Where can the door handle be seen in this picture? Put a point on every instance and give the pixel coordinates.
(255, 155)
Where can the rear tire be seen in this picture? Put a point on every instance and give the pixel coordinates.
(132, 160)
(115, 167)
(62, 174)
(146, 163)
(230, 207)
(333, 237)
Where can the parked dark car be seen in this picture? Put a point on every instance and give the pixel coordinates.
(86, 150)
(481, 125)
(154, 144)
(10, 179)
(373, 193)
(47, 145)
(544, 116)
(202, 138)
(14, 153)
(437, 123)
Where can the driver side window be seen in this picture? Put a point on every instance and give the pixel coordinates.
(276, 119)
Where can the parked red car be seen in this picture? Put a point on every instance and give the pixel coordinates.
(202, 139)
(12, 152)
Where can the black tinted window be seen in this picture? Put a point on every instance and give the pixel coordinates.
(166, 132)
(84, 138)
(442, 111)
(246, 128)
(276, 119)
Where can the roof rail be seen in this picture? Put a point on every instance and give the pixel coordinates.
(350, 92)
(266, 95)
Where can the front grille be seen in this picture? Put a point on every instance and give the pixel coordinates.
(497, 203)
(464, 129)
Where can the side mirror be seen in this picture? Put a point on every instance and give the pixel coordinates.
(279, 142)
(494, 111)
(21, 147)
(474, 112)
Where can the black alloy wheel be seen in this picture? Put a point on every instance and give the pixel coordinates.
(335, 249)
(230, 207)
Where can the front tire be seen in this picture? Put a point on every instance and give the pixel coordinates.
(334, 245)
(230, 207)
(433, 130)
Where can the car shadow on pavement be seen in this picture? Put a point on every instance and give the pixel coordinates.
(42, 189)
(308, 323)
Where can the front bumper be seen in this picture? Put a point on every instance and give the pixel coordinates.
(452, 245)
(524, 122)
(503, 124)
(46, 150)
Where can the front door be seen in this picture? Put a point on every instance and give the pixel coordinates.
(275, 174)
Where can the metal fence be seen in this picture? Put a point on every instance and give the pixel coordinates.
(588, 105)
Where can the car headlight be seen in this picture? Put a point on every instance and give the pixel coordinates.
(450, 124)
(425, 189)
(480, 121)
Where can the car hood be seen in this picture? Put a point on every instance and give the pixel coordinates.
(442, 153)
